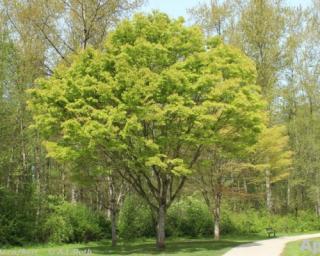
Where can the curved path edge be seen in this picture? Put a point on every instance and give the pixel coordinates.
(270, 247)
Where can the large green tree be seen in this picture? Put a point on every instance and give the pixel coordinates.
(148, 104)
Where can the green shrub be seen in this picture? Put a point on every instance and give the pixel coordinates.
(135, 219)
(17, 217)
(84, 222)
(105, 226)
(227, 225)
(305, 221)
(70, 222)
(189, 217)
(253, 221)
(57, 229)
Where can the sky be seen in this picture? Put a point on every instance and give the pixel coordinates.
(176, 8)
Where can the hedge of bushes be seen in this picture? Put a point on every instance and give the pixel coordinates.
(61, 221)
(253, 221)
(57, 221)
(191, 217)
(70, 222)
(17, 217)
(135, 219)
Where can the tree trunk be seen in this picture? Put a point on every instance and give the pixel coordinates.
(38, 164)
(217, 214)
(161, 235)
(245, 186)
(114, 227)
(318, 202)
(63, 181)
(268, 191)
(288, 196)
(73, 194)
(113, 211)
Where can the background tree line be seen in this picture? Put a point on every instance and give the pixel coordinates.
(277, 175)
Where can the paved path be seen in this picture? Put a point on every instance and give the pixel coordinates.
(270, 247)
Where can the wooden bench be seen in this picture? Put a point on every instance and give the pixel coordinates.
(270, 231)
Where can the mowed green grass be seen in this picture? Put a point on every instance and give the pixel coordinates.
(177, 247)
(294, 248)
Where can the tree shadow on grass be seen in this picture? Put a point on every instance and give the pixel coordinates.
(192, 246)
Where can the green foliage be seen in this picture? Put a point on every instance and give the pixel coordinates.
(148, 103)
(156, 86)
(58, 221)
(158, 101)
(246, 222)
(253, 221)
(135, 219)
(17, 217)
(189, 217)
(70, 222)
(105, 226)
(57, 229)
(272, 152)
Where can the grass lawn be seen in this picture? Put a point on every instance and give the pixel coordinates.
(303, 248)
(177, 247)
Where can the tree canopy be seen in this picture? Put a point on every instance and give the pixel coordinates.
(149, 102)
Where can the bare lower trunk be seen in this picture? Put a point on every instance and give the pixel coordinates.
(217, 215)
(63, 179)
(318, 202)
(268, 191)
(113, 211)
(38, 164)
(161, 235)
(23, 152)
(288, 196)
(114, 227)
(245, 186)
(73, 194)
(317, 209)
